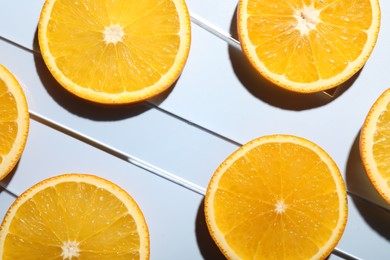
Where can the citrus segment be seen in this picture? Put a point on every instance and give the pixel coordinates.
(14, 121)
(115, 51)
(375, 145)
(277, 197)
(74, 215)
(308, 46)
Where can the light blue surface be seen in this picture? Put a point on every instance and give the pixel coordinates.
(180, 137)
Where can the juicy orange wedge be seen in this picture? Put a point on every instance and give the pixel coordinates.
(115, 51)
(74, 216)
(14, 121)
(311, 45)
(375, 144)
(277, 197)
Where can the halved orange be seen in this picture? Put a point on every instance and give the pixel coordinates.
(277, 197)
(14, 121)
(310, 45)
(115, 51)
(375, 144)
(74, 216)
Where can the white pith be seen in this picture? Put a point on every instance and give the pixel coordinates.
(113, 33)
(280, 207)
(307, 18)
(70, 249)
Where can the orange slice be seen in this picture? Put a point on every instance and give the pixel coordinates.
(115, 51)
(277, 197)
(308, 46)
(74, 216)
(14, 121)
(375, 145)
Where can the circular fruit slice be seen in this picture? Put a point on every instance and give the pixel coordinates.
(74, 216)
(14, 121)
(277, 197)
(308, 46)
(115, 51)
(375, 145)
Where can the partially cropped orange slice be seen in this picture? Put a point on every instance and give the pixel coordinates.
(14, 121)
(115, 51)
(375, 144)
(310, 45)
(74, 216)
(277, 197)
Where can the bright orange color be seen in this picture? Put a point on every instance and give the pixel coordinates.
(74, 216)
(115, 51)
(277, 197)
(308, 46)
(14, 121)
(375, 144)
